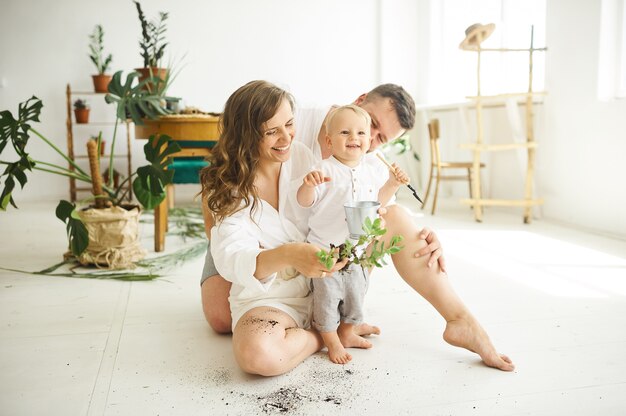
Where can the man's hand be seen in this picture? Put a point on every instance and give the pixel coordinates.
(433, 248)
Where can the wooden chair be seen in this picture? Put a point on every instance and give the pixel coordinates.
(437, 166)
(187, 165)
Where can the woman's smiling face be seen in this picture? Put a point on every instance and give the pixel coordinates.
(278, 133)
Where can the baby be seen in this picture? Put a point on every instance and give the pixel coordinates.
(343, 177)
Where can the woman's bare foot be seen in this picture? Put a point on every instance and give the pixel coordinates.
(468, 334)
(351, 339)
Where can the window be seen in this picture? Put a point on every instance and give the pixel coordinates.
(453, 72)
(621, 91)
(612, 51)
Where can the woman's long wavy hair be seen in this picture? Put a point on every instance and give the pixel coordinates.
(228, 182)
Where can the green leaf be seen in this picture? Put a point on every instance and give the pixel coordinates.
(144, 194)
(14, 171)
(77, 233)
(15, 132)
(151, 180)
(136, 101)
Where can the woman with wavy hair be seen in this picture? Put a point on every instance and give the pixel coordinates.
(256, 244)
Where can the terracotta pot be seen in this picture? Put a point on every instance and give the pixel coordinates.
(82, 115)
(156, 72)
(101, 82)
(116, 177)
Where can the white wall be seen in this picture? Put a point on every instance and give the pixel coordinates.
(323, 51)
(327, 51)
(581, 166)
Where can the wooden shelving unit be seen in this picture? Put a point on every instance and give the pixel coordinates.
(74, 189)
(480, 146)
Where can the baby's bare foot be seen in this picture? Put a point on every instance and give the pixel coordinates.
(338, 354)
(351, 340)
(470, 335)
(366, 329)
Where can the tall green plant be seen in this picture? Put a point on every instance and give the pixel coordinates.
(152, 42)
(149, 182)
(96, 50)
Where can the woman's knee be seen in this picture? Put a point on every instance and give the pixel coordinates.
(219, 322)
(259, 356)
(215, 305)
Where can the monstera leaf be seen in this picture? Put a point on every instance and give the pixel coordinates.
(77, 233)
(15, 132)
(135, 102)
(151, 180)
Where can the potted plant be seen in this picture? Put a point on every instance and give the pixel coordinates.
(152, 44)
(106, 232)
(81, 111)
(96, 54)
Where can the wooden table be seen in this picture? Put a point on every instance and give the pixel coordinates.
(187, 128)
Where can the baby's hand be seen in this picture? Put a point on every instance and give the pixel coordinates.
(398, 175)
(315, 178)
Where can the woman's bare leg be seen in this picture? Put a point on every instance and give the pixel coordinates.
(267, 342)
(462, 328)
(215, 292)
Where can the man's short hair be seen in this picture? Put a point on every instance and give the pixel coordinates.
(401, 101)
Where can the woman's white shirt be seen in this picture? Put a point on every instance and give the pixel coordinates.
(239, 239)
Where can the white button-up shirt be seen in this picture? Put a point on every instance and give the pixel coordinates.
(327, 218)
(239, 239)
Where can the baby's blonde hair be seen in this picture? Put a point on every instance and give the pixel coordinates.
(352, 107)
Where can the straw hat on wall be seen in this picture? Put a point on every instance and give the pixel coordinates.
(475, 34)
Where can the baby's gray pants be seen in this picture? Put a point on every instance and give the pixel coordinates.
(339, 298)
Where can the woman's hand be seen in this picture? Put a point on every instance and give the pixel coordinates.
(304, 259)
(433, 248)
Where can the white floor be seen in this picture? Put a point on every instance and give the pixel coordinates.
(552, 298)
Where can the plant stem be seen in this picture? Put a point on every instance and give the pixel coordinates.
(69, 175)
(70, 161)
(75, 176)
(110, 181)
(73, 173)
(119, 188)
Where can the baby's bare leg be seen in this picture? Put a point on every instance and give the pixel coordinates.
(336, 352)
(462, 328)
